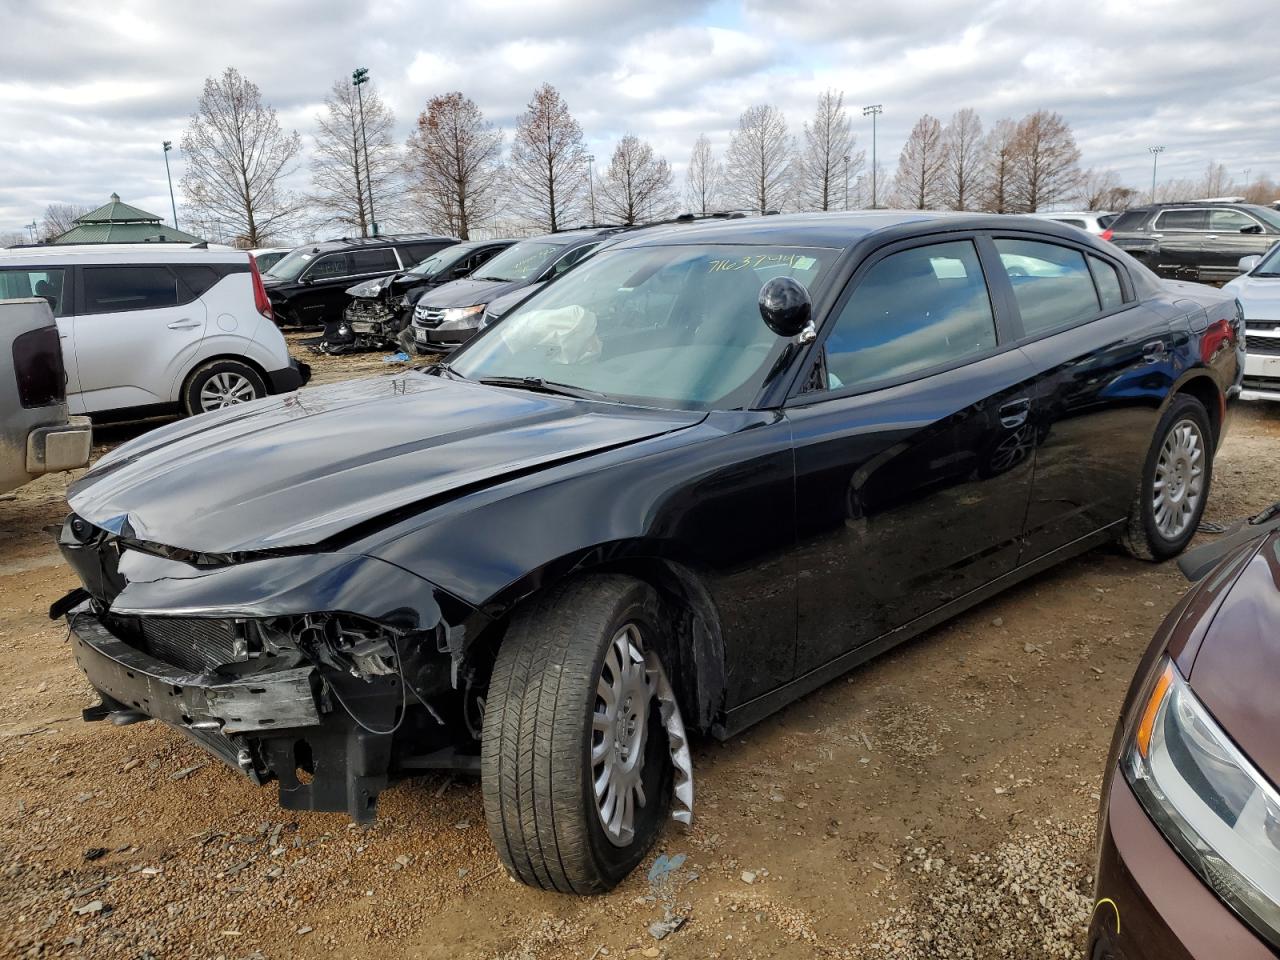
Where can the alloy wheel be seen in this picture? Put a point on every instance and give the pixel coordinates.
(1179, 479)
(619, 725)
(225, 390)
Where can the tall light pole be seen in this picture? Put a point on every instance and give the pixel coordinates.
(358, 79)
(846, 181)
(1155, 157)
(168, 145)
(31, 229)
(873, 111)
(591, 185)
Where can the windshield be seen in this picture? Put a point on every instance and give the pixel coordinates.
(291, 265)
(671, 326)
(519, 262)
(441, 261)
(1270, 265)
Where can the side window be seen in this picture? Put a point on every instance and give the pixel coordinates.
(371, 261)
(1071, 223)
(333, 265)
(1107, 279)
(573, 257)
(22, 283)
(118, 289)
(1233, 221)
(414, 253)
(197, 278)
(1183, 220)
(913, 310)
(1051, 283)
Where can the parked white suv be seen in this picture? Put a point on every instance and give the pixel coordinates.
(1091, 221)
(146, 326)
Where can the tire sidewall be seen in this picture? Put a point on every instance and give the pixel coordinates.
(202, 375)
(639, 606)
(1183, 408)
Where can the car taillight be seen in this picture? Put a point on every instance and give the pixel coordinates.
(261, 302)
(37, 363)
(1107, 234)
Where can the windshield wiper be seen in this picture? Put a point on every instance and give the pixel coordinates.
(544, 386)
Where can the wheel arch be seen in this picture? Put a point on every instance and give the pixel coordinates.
(184, 380)
(1200, 384)
(695, 662)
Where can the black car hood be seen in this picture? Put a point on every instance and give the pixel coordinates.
(468, 292)
(295, 470)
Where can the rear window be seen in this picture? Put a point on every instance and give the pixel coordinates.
(1107, 219)
(120, 289)
(1129, 220)
(27, 282)
(1051, 283)
(1183, 220)
(414, 253)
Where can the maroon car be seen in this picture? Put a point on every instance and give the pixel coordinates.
(1189, 833)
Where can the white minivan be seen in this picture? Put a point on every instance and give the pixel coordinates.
(150, 326)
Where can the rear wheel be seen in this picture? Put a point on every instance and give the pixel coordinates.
(1174, 485)
(575, 769)
(221, 383)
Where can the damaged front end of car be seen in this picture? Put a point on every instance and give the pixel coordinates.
(373, 318)
(331, 674)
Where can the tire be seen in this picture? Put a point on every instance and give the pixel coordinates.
(540, 726)
(232, 380)
(1150, 533)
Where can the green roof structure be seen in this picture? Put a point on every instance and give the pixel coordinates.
(119, 222)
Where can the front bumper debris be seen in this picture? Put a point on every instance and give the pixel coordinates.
(263, 701)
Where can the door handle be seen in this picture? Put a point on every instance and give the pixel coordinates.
(1014, 413)
(183, 325)
(1211, 236)
(1154, 351)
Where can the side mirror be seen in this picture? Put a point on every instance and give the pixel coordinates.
(786, 309)
(306, 281)
(1252, 228)
(1245, 264)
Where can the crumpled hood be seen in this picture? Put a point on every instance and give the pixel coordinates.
(1236, 671)
(294, 470)
(1260, 296)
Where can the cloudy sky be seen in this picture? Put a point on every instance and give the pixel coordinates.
(89, 90)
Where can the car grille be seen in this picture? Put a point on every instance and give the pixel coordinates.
(1262, 337)
(195, 644)
(428, 316)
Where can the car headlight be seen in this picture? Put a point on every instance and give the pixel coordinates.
(461, 318)
(1209, 801)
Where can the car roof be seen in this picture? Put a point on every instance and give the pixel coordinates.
(837, 229)
(389, 240)
(121, 253)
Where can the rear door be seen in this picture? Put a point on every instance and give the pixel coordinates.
(913, 460)
(135, 328)
(1181, 235)
(1104, 363)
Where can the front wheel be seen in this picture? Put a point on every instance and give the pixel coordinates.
(575, 768)
(1174, 485)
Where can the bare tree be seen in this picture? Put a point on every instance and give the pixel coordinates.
(237, 157)
(704, 180)
(59, 218)
(1216, 181)
(548, 160)
(637, 184)
(1048, 161)
(962, 145)
(454, 158)
(1102, 190)
(1176, 191)
(1262, 190)
(338, 175)
(999, 173)
(828, 158)
(922, 166)
(759, 161)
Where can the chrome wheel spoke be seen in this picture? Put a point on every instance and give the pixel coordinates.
(619, 722)
(1179, 479)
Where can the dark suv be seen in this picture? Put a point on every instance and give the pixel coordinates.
(1195, 241)
(308, 287)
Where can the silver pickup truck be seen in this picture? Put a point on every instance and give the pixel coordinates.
(36, 435)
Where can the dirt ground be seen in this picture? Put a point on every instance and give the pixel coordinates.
(938, 802)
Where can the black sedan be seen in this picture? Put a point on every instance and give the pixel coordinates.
(697, 477)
